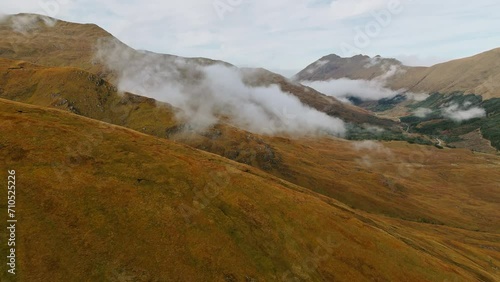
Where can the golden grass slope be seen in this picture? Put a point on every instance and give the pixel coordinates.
(455, 188)
(56, 43)
(479, 74)
(83, 93)
(71, 44)
(99, 202)
(86, 94)
(416, 183)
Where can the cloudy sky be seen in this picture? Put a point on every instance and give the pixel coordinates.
(286, 35)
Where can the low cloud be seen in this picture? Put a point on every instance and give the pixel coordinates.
(377, 130)
(422, 112)
(207, 93)
(321, 63)
(366, 90)
(417, 97)
(421, 61)
(459, 113)
(373, 62)
(344, 88)
(311, 69)
(28, 22)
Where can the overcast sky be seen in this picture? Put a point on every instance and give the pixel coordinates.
(287, 35)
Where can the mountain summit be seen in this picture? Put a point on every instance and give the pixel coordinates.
(357, 67)
(479, 74)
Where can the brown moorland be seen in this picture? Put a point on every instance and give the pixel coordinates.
(396, 179)
(406, 208)
(111, 212)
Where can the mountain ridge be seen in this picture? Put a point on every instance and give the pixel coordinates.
(324, 165)
(477, 74)
(116, 187)
(40, 49)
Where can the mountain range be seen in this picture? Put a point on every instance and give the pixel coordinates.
(479, 74)
(118, 185)
(456, 101)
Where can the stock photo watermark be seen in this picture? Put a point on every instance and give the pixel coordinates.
(405, 168)
(11, 221)
(365, 34)
(204, 196)
(51, 8)
(303, 270)
(223, 7)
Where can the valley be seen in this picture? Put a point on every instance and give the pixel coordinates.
(138, 166)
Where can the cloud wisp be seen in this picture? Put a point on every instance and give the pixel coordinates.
(26, 23)
(208, 92)
(365, 90)
(422, 112)
(459, 113)
(346, 88)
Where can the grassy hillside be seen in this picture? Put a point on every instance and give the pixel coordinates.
(34, 44)
(99, 202)
(66, 44)
(82, 93)
(367, 179)
(452, 131)
(479, 74)
(112, 203)
(50, 42)
(394, 179)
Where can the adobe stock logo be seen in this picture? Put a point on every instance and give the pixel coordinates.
(365, 34)
(222, 7)
(51, 8)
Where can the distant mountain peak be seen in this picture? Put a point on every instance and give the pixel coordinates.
(334, 67)
(478, 74)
